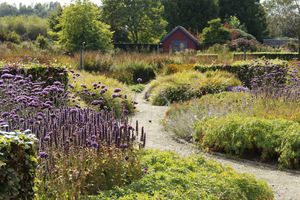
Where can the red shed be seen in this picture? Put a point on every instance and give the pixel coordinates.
(179, 40)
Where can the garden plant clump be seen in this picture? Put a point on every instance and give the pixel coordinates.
(170, 176)
(187, 85)
(258, 121)
(76, 145)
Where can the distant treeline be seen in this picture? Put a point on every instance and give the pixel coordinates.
(41, 10)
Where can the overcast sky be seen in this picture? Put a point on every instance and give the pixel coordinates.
(32, 2)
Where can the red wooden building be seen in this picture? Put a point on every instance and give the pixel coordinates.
(178, 40)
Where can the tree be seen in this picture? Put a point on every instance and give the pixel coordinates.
(141, 18)
(215, 33)
(190, 14)
(80, 23)
(283, 18)
(249, 12)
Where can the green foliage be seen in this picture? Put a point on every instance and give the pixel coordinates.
(215, 33)
(189, 13)
(42, 41)
(170, 176)
(130, 71)
(186, 85)
(17, 165)
(46, 72)
(249, 45)
(142, 18)
(235, 23)
(80, 23)
(137, 87)
(249, 135)
(249, 12)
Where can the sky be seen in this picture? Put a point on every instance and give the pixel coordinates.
(32, 2)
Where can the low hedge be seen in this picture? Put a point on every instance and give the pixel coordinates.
(18, 164)
(267, 55)
(277, 138)
(45, 72)
(244, 70)
(171, 176)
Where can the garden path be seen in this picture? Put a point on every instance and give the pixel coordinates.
(286, 185)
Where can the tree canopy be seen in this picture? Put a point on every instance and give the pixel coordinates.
(141, 18)
(215, 33)
(249, 12)
(283, 18)
(190, 14)
(80, 23)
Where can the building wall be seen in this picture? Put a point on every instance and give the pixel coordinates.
(179, 35)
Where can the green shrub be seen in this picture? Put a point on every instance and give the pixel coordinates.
(17, 165)
(170, 176)
(48, 72)
(243, 136)
(129, 72)
(186, 85)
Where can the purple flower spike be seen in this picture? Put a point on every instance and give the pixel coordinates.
(139, 80)
(126, 157)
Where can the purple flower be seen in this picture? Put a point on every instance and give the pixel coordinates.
(5, 114)
(117, 90)
(126, 157)
(43, 155)
(139, 80)
(46, 138)
(77, 106)
(57, 83)
(115, 95)
(84, 86)
(94, 144)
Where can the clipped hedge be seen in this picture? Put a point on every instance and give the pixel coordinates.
(277, 138)
(267, 55)
(171, 176)
(17, 165)
(45, 72)
(244, 69)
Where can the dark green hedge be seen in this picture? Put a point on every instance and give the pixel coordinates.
(267, 55)
(47, 73)
(18, 164)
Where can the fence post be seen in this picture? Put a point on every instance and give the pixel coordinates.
(244, 56)
(83, 55)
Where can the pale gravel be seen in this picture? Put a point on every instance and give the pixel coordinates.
(285, 184)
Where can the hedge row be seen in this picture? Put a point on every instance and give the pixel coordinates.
(244, 69)
(267, 55)
(17, 165)
(45, 72)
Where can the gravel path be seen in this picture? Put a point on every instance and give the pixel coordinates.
(286, 185)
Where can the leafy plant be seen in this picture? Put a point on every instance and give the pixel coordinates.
(171, 176)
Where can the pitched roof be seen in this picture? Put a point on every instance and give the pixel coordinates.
(184, 30)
